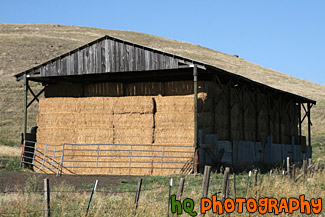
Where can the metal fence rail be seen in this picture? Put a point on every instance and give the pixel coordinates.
(56, 157)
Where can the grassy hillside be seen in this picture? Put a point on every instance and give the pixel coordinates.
(24, 46)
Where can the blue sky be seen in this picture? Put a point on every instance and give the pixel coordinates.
(288, 36)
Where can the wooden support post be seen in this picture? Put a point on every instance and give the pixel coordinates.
(255, 177)
(280, 120)
(304, 167)
(268, 115)
(195, 104)
(225, 184)
(309, 124)
(256, 116)
(25, 104)
(170, 193)
(234, 184)
(195, 74)
(180, 188)
(248, 182)
(243, 114)
(206, 181)
(229, 113)
(299, 117)
(137, 196)
(288, 166)
(47, 207)
(310, 162)
(213, 114)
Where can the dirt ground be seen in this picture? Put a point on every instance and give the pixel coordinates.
(17, 181)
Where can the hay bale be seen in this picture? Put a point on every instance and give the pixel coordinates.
(56, 120)
(174, 119)
(133, 120)
(174, 135)
(94, 120)
(56, 136)
(57, 105)
(88, 135)
(140, 135)
(174, 103)
(133, 104)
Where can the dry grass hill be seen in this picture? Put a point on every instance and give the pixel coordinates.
(27, 45)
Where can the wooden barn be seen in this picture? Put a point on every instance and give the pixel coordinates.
(116, 107)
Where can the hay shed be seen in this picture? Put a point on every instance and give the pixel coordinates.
(116, 107)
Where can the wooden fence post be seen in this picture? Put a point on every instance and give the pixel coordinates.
(91, 196)
(288, 166)
(310, 161)
(309, 168)
(255, 177)
(304, 166)
(169, 197)
(225, 184)
(255, 182)
(137, 195)
(293, 172)
(234, 185)
(248, 182)
(47, 207)
(180, 188)
(206, 180)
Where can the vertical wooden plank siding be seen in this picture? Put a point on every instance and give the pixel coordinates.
(108, 56)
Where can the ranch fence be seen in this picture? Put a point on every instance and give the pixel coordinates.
(57, 158)
(230, 188)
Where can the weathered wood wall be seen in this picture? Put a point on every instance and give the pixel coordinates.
(108, 56)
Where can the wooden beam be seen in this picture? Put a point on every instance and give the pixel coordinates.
(268, 115)
(243, 114)
(280, 120)
(299, 116)
(195, 105)
(195, 119)
(35, 96)
(25, 104)
(229, 111)
(256, 115)
(309, 124)
(32, 92)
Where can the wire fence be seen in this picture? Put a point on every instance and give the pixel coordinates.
(225, 184)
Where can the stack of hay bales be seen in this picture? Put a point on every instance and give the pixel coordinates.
(147, 120)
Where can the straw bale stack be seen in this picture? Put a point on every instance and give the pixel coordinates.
(131, 104)
(121, 120)
(174, 135)
(175, 103)
(56, 119)
(133, 135)
(174, 119)
(57, 105)
(92, 120)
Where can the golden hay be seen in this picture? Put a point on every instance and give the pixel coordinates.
(175, 135)
(174, 119)
(133, 120)
(125, 120)
(174, 103)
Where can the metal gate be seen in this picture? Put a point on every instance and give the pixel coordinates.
(67, 157)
